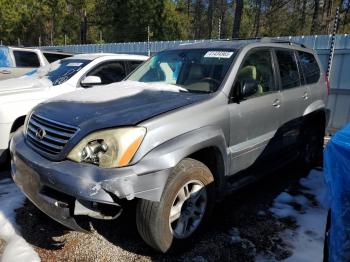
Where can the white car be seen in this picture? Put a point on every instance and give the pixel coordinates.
(18, 96)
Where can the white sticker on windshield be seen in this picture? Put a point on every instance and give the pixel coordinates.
(74, 64)
(218, 54)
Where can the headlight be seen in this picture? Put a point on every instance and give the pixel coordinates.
(26, 121)
(109, 148)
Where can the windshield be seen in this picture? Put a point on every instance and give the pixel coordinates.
(197, 70)
(59, 71)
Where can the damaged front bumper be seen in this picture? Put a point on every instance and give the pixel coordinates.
(64, 190)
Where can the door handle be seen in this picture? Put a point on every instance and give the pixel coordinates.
(277, 103)
(305, 96)
(5, 72)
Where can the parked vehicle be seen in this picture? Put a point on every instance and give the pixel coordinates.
(188, 126)
(19, 96)
(336, 174)
(17, 61)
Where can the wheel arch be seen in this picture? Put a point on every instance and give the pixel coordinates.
(18, 123)
(213, 159)
(319, 116)
(206, 144)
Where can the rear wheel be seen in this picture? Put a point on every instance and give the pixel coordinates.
(185, 205)
(312, 146)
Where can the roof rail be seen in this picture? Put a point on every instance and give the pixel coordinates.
(266, 40)
(280, 41)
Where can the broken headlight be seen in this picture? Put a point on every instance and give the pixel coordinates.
(109, 148)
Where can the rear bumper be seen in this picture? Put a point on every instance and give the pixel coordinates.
(55, 187)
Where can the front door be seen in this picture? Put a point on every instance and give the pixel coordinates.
(255, 119)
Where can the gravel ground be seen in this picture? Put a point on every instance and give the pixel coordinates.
(244, 213)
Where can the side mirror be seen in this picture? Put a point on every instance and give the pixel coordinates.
(248, 88)
(91, 81)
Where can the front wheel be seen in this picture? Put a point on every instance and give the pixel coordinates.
(185, 205)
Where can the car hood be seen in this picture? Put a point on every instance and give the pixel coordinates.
(119, 104)
(22, 84)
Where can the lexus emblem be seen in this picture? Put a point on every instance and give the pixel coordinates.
(40, 133)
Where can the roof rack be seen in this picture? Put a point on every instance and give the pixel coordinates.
(280, 41)
(266, 40)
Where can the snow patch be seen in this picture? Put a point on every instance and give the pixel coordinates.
(284, 197)
(17, 249)
(99, 94)
(235, 235)
(307, 240)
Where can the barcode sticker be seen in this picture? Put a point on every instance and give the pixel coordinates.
(74, 64)
(218, 54)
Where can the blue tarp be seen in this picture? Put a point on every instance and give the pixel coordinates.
(337, 176)
(4, 57)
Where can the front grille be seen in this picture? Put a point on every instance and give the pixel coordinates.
(47, 135)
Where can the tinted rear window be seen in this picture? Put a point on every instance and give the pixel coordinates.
(52, 57)
(309, 67)
(26, 59)
(288, 69)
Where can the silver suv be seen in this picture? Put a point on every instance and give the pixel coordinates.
(185, 128)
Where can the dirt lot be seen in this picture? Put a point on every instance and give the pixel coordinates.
(244, 215)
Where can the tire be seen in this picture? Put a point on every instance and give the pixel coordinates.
(153, 218)
(312, 146)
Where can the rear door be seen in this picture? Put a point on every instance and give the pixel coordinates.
(312, 74)
(255, 119)
(295, 97)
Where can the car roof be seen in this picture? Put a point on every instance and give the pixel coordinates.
(211, 44)
(17, 48)
(238, 44)
(93, 56)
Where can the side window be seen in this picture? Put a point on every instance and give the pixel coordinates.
(288, 69)
(309, 67)
(26, 59)
(134, 64)
(257, 72)
(109, 72)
